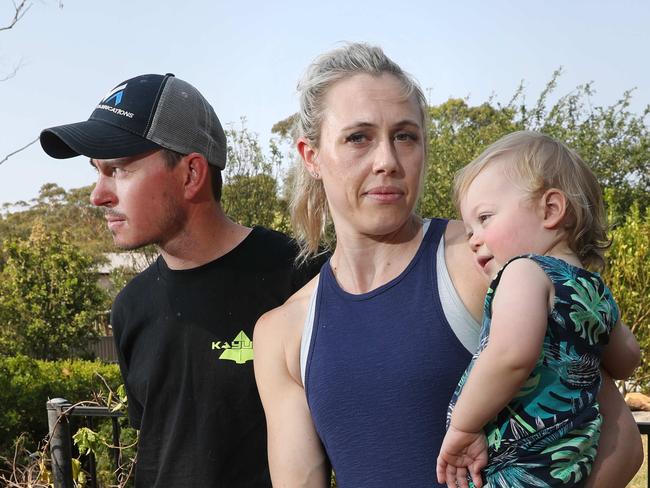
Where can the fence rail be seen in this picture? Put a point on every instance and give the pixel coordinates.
(58, 412)
(104, 348)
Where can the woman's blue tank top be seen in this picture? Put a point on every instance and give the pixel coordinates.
(381, 369)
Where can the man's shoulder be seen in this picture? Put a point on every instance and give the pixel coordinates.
(273, 240)
(267, 248)
(139, 283)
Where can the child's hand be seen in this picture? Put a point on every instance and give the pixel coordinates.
(462, 453)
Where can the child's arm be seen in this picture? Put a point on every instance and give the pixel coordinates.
(622, 354)
(519, 317)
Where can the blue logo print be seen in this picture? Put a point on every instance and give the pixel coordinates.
(115, 94)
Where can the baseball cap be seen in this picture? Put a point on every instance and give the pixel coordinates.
(139, 115)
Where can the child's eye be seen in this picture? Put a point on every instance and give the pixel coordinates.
(483, 217)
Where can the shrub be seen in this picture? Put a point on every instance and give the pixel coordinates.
(26, 385)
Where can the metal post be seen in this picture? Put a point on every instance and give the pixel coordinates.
(117, 452)
(90, 459)
(60, 444)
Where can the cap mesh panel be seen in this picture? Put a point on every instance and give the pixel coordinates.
(185, 122)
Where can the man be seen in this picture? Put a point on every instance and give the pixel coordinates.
(183, 327)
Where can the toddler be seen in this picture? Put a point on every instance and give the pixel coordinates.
(525, 411)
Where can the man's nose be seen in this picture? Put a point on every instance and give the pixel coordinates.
(102, 195)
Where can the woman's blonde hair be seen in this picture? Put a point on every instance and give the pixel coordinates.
(537, 163)
(309, 210)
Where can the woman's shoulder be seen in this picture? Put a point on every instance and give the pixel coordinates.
(468, 281)
(279, 331)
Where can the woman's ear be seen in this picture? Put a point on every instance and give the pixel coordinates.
(196, 174)
(554, 204)
(309, 156)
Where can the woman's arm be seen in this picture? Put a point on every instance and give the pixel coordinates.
(620, 452)
(622, 354)
(296, 457)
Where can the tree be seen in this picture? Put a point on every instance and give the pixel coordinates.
(59, 211)
(612, 140)
(20, 9)
(250, 192)
(49, 298)
(457, 133)
(628, 276)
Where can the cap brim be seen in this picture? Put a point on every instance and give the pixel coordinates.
(94, 139)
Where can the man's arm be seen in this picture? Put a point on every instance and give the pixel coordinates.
(296, 457)
(134, 408)
(620, 452)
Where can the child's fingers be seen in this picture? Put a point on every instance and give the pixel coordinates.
(475, 472)
(461, 478)
(441, 467)
(451, 476)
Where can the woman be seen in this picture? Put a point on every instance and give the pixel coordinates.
(358, 367)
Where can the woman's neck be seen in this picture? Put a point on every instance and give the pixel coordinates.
(362, 263)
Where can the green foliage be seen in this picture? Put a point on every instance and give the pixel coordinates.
(251, 199)
(457, 134)
(628, 276)
(49, 298)
(26, 384)
(59, 211)
(250, 192)
(612, 140)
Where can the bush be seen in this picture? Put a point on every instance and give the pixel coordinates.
(50, 302)
(628, 276)
(26, 385)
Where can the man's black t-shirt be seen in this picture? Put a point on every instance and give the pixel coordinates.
(184, 341)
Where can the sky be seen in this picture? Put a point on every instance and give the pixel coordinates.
(247, 56)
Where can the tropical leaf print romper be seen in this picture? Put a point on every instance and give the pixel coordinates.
(548, 434)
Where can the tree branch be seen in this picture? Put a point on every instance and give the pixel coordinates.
(13, 72)
(20, 10)
(18, 150)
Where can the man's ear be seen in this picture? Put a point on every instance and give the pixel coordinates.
(309, 156)
(554, 205)
(196, 175)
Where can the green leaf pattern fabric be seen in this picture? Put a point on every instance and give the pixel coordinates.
(548, 434)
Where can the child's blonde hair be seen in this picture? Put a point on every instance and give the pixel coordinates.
(537, 163)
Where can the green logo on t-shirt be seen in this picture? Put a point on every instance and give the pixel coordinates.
(239, 350)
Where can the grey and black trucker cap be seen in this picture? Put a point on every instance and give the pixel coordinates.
(139, 115)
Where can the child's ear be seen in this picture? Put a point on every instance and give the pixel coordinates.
(554, 204)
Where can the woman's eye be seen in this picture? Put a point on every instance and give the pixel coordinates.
(405, 136)
(356, 138)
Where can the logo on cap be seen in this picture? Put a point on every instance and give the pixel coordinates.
(115, 94)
